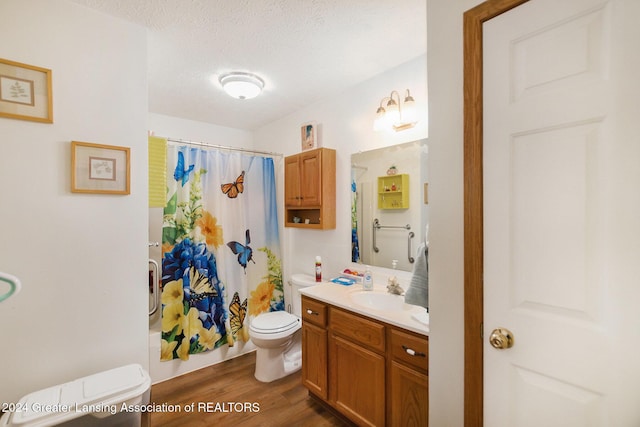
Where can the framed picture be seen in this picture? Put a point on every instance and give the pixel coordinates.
(97, 168)
(309, 136)
(25, 92)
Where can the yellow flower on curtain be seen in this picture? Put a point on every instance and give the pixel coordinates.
(166, 349)
(172, 293)
(194, 324)
(261, 298)
(173, 318)
(210, 229)
(183, 350)
(208, 338)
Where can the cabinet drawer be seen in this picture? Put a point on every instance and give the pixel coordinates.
(314, 312)
(410, 349)
(358, 329)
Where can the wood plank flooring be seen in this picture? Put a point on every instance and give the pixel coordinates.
(227, 394)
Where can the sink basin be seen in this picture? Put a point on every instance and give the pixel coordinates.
(378, 300)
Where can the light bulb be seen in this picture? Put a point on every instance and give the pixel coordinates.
(242, 85)
(393, 113)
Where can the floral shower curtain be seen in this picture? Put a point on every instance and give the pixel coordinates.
(221, 251)
(355, 246)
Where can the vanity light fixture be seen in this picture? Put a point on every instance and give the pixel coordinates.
(241, 85)
(396, 115)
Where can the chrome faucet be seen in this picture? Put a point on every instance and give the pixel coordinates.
(393, 287)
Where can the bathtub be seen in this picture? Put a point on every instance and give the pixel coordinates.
(162, 371)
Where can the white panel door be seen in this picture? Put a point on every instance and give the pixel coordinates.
(562, 214)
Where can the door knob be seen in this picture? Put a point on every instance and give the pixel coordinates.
(501, 338)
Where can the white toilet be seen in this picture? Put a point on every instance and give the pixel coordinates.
(278, 337)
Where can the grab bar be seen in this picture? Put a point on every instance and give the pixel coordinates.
(13, 282)
(154, 277)
(377, 226)
(409, 251)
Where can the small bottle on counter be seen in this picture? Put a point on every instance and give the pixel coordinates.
(367, 280)
(318, 269)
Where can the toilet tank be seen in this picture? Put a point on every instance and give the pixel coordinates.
(299, 281)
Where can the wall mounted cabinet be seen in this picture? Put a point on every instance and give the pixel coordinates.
(393, 191)
(373, 373)
(310, 189)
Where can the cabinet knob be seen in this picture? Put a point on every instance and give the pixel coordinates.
(412, 352)
(314, 313)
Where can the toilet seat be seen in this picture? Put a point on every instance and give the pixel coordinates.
(275, 323)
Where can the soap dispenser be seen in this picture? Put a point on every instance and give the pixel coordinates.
(367, 281)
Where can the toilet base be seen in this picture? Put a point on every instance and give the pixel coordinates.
(275, 363)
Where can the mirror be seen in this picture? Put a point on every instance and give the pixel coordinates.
(389, 210)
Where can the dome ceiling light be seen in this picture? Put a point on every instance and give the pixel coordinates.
(241, 85)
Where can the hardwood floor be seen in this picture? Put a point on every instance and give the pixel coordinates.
(227, 394)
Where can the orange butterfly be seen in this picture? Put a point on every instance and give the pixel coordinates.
(234, 188)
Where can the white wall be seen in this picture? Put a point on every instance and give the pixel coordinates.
(446, 263)
(174, 127)
(82, 258)
(346, 125)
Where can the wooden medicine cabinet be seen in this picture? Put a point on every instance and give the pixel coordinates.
(310, 189)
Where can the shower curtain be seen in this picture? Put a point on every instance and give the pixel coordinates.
(221, 261)
(355, 246)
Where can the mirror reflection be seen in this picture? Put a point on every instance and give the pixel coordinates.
(389, 210)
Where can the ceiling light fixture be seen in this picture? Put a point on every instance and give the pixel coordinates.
(395, 116)
(241, 85)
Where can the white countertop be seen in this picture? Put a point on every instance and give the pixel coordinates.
(339, 296)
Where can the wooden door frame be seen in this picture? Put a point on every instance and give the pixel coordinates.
(473, 20)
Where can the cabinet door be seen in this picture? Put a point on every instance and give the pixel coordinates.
(409, 397)
(311, 178)
(292, 181)
(314, 359)
(357, 382)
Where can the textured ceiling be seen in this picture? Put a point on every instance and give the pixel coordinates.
(305, 50)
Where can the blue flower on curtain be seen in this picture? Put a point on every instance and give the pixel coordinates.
(196, 266)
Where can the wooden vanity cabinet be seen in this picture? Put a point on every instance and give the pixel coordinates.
(373, 373)
(314, 347)
(357, 367)
(310, 189)
(408, 379)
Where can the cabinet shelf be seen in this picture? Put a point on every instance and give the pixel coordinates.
(393, 191)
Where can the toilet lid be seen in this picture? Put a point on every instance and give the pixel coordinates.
(274, 322)
(303, 280)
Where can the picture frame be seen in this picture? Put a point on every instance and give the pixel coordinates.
(99, 168)
(309, 136)
(25, 92)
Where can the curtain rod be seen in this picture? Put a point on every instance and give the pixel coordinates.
(224, 147)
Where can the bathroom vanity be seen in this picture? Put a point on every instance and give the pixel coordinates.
(367, 363)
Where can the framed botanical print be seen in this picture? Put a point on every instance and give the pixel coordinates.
(98, 168)
(25, 92)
